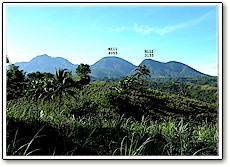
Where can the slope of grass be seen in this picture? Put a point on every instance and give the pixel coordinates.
(94, 123)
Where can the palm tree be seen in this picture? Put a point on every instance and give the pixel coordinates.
(142, 73)
(129, 82)
(132, 81)
(63, 85)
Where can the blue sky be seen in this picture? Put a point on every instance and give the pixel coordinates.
(82, 34)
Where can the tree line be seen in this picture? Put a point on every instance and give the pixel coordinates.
(38, 85)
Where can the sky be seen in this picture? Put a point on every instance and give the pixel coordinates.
(83, 33)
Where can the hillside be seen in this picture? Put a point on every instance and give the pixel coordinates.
(99, 121)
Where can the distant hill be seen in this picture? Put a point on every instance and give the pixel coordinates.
(170, 69)
(45, 63)
(111, 67)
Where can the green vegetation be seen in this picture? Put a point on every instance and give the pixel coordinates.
(199, 88)
(66, 116)
(15, 82)
(82, 71)
(208, 80)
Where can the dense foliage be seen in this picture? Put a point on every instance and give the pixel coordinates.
(15, 82)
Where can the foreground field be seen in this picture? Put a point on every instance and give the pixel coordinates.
(101, 119)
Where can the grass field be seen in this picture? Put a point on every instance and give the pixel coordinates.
(99, 120)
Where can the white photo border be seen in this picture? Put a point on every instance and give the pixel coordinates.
(220, 83)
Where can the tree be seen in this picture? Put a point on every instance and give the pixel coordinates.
(63, 84)
(129, 82)
(142, 73)
(40, 86)
(46, 86)
(35, 75)
(83, 70)
(132, 81)
(48, 75)
(15, 82)
(39, 75)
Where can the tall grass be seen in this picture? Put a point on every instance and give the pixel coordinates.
(132, 148)
(100, 130)
(14, 148)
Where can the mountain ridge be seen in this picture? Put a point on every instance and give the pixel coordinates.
(111, 67)
(45, 63)
(172, 69)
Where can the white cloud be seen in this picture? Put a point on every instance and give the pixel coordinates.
(171, 28)
(145, 29)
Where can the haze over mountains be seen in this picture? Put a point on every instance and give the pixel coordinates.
(111, 67)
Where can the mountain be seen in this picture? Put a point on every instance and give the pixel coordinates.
(170, 69)
(111, 67)
(45, 63)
